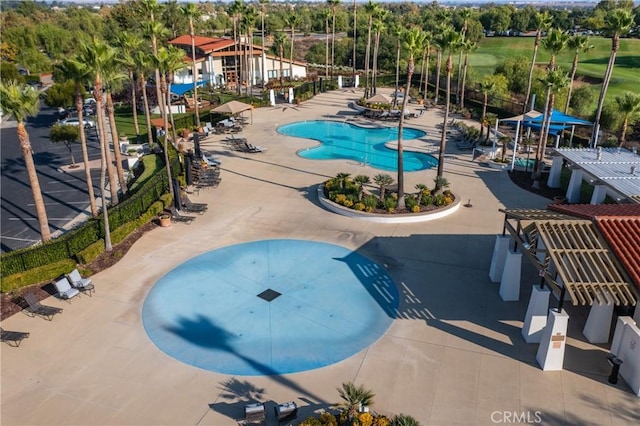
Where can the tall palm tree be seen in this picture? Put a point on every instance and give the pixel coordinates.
(579, 44)
(191, 11)
(353, 398)
(128, 44)
(617, 23)
(98, 56)
(235, 11)
(428, 39)
(263, 12)
(72, 69)
(398, 31)
(629, 106)
(378, 27)
(168, 61)
(450, 41)
(279, 41)
(486, 86)
(326, 14)
(437, 42)
(144, 64)
(555, 41)
(22, 102)
(152, 29)
(413, 42)
(465, 13)
(467, 46)
(371, 9)
(555, 81)
(292, 21)
(355, 38)
(334, 4)
(542, 22)
(113, 79)
(249, 20)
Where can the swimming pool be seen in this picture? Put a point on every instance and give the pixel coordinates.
(363, 145)
(270, 307)
(525, 163)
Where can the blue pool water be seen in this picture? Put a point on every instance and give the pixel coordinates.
(340, 140)
(525, 163)
(206, 312)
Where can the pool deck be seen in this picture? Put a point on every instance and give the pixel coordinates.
(455, 355)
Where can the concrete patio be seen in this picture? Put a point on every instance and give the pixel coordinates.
(454, 356)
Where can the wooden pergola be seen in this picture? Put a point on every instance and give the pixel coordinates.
(572, 257)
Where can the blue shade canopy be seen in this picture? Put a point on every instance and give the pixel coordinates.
(554, 129)
(558, 117)
(181, 89)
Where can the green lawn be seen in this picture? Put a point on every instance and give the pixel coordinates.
(626, 74)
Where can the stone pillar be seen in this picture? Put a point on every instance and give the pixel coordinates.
(626, 340)
(272, 97)
(618, 333)
(573, 191)
(554, 174)
(290, 94)
(356, 81)
(550, 355)
(339, 82)
(500, 249)
(598, 324)
(510, 282)
(536, 318)
(599, 192)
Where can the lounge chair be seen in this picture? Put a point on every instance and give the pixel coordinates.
(14, 337)
(35, 308)
(65, 291)
(177, 217)
(83, 284)
(190, 207)
(252, 148)
(210, 160)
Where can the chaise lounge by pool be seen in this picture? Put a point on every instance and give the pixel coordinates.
(270, 307)
(339, 140)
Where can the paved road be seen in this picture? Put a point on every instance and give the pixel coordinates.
(65, 194)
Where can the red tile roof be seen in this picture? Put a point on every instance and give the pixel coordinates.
(591, 211)
(623, 236)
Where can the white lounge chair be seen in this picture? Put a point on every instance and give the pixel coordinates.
(82, 284)
(65, 291)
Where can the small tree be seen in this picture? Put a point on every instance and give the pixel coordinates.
(67, 135)
(353, 398)
(383, 180)
(361, 180)
(342, 178)
(404, 420)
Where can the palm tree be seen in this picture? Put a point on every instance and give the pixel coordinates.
(235, 11)
(403, 420)
(437, 43)
(413, 43)
(249, 22)
(72, 69)
(22, 102)
(279, 41)
(326, 14)
(555, 41)
(629, 106)
(450, 42)
(353, 398)
(617, 23)
(152, 29)
(378, 27)
(371, 9)
(98, 56)
(355, 38)
(192, 12)
(467, 46)
(144, 63)
(465, 13)
(486, 87)
(361, 180)
(383, 180)
(128, 45)
(542, 21)
(555, 81)
(333, 4)
(292, 21)
(428, 39)
(263, 9)
(579, 44)
(398, 31)
(113, 78)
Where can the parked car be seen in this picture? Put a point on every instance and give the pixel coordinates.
(74, 122)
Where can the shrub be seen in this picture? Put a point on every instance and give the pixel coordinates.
(37, 275)
(370, 201)
(340, 198)
(328, 419)
(381, 421)
(390, 204)
(310, 421)
(347, 203)
(448, 199)
(359, 206)
(440, 200)
(427, 200)
(365, 419)
(415, 209)
(411, 202)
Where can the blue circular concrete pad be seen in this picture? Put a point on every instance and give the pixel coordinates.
(332, 303)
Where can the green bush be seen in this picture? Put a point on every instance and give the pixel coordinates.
(370, 201)
(390, 204)
(37, 275)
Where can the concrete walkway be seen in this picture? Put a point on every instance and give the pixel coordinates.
(454, 356)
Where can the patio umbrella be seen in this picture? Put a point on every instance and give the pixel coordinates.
(233, 107)
(379, 99)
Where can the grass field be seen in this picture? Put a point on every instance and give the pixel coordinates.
(626, 74)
